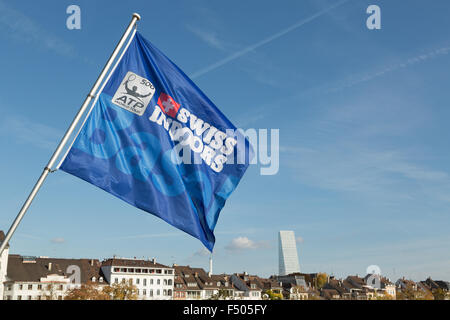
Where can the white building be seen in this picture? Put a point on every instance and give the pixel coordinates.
(287, 253)
(154, 281)
(42, 278)
(3, 264)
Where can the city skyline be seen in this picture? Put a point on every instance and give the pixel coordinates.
(364, 164)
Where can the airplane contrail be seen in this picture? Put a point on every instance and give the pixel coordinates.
(275, 36)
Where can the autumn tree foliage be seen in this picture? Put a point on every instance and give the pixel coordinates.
(91, 291)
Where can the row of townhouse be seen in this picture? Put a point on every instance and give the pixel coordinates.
(357, 288)
(426, 289)
(298, 286)
(40, 278)
(197, 284)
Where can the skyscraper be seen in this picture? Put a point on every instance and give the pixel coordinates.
(287, 253)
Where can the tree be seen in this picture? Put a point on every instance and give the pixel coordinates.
(87, 291)
(50, 292)
(439, 294)
(384, 296)
(274, 296)
(222, 294)
(321, 280)
(122, 291)
(407, 293)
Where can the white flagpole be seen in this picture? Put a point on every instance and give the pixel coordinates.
(69, 131)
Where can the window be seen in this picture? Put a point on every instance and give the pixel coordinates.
(38, 298)
(116, 280)
(144, 292)
(39, 286)
(169, 292)
(138, 270)
(123, 270)
(19, 297)
(137, 281)
(30, 287)
(130, 281)
(158, 281)
(20, 287)
(131, 270)
(165, 282)
(151, 281)
(169, 282)
(60, 287)
(144, 270)
(29, 297)
(123, 280)
(164, 292)
(151, 293)
(145, 282)
(151, 271)
(59, 297)
(218, 284)
(100, 279)
(169, 271)
(158, 270)
(116, 269)
(158, 292)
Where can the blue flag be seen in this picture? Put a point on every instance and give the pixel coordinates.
(154, 140)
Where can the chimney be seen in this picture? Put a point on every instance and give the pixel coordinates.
(210, 267)
(154, 260)
(92, 262)
(49, 266)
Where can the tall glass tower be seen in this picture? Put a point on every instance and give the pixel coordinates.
(287, 253)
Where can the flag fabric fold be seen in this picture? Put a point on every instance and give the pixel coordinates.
(156, 141)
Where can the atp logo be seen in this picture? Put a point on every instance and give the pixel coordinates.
(134, 93)
(168, 105)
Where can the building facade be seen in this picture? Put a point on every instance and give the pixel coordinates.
(3, 265)
(287, 253)
(43, 278)
(154, 281)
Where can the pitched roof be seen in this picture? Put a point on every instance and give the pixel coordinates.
(199, 279)
(120, 262)
(32, 269)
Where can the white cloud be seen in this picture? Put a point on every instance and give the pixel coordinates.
(58, 240)
(265, 41)
(19, 27)
(201, 253)
(208, 36)
(26, 131)
(244, 243)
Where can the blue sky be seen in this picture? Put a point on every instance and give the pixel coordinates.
(364, 154)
